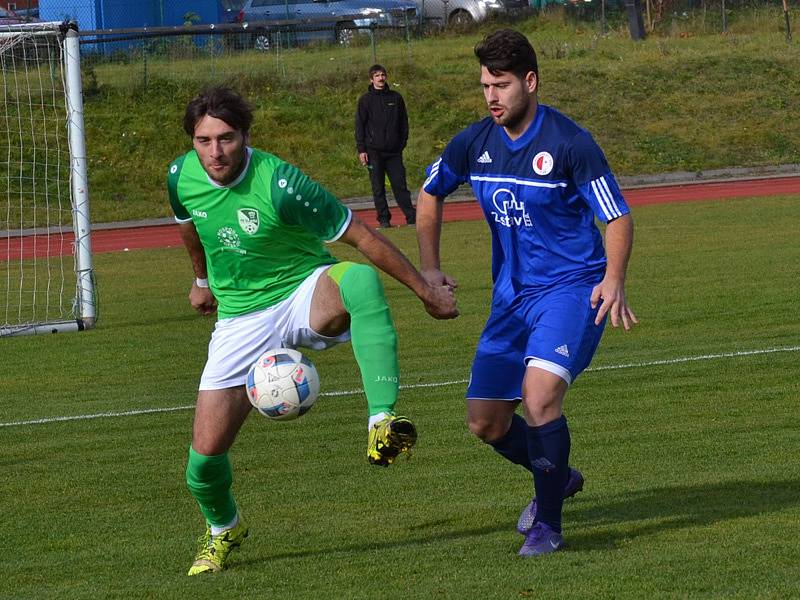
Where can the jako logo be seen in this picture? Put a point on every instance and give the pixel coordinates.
(200, 213)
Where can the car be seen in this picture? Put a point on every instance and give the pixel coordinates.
(296, 22)
(229, 10)
(461, 13)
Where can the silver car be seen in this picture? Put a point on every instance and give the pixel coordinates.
(295, 22)
(459, 13)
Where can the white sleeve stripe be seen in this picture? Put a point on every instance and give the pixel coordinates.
(343, 228)
(600, 199)
(434, 172)
(602, 190)
(611, 201)
(610, 206)
(177, 220)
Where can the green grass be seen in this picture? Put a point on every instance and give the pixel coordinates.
(691, 467)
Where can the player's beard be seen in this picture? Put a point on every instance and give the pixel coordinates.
(512, 115)
(233, 166)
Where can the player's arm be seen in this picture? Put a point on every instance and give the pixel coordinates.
(599, 188)
(437, 298)
(429, 233)
(610, 292)
(201, 298)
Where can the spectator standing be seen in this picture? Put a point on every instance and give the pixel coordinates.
(381, 136)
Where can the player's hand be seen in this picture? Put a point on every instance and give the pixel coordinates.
(436, 277)
(614, 303)
(363, 158)
(441, 302)
(202, 300)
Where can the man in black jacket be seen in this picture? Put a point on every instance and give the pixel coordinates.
(381, 136)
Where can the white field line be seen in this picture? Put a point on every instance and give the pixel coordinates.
(651, 363)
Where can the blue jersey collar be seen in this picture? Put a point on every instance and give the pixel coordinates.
(530, 133)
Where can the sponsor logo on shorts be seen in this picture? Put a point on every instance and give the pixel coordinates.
(562, 350)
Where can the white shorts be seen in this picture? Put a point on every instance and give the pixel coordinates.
(237, 342)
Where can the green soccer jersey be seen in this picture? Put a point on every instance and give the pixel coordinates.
(262, 234)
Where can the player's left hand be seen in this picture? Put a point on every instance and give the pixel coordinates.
(614, 303)
(440, 302)
(202, 300)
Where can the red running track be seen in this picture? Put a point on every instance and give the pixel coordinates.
(164, 236)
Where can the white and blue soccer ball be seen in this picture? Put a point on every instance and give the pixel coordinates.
(282, 384)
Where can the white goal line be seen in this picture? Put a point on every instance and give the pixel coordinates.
(650, 363)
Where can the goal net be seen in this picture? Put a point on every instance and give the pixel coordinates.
(46, 278)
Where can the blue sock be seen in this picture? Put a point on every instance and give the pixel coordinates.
(514, 444)
(548, 446)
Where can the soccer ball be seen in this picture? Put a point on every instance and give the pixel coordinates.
(282, 384)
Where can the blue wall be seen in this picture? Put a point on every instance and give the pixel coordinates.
(85, 12)
(209, 11)
(112, 14)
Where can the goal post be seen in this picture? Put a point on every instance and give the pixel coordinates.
(46, 274)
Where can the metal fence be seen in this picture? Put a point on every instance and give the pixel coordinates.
(343, 16)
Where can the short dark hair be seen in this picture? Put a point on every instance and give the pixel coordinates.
(222, 103)
(376, 69)
(509, 51)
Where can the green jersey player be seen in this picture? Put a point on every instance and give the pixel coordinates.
(255, 228)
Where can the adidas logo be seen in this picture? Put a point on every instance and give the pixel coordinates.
(563, 350)
(485, 158)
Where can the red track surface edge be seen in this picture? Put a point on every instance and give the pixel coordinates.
(164, 236)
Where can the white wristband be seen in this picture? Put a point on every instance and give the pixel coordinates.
(201, 283)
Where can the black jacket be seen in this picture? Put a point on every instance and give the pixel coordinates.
(381, 121)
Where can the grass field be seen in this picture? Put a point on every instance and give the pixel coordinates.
(689, 449)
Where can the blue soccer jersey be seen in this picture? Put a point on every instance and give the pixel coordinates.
(540, 194)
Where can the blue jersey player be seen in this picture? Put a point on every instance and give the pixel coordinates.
(541, 181)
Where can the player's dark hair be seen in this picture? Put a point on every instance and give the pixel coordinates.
(376, 69)
(508, 51)
(221, 103)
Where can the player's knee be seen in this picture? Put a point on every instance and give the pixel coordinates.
(486, 429)
(205, 473)
(544, 398)
(542, 410)
(361, 286)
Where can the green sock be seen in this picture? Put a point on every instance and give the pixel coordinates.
(209, 479)
(372, 332)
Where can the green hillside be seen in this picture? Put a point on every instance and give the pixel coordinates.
(684, 102)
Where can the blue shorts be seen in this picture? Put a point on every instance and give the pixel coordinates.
(554, 331)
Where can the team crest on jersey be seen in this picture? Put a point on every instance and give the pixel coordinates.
(248, 220)
(509, 213)
(543, 163)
